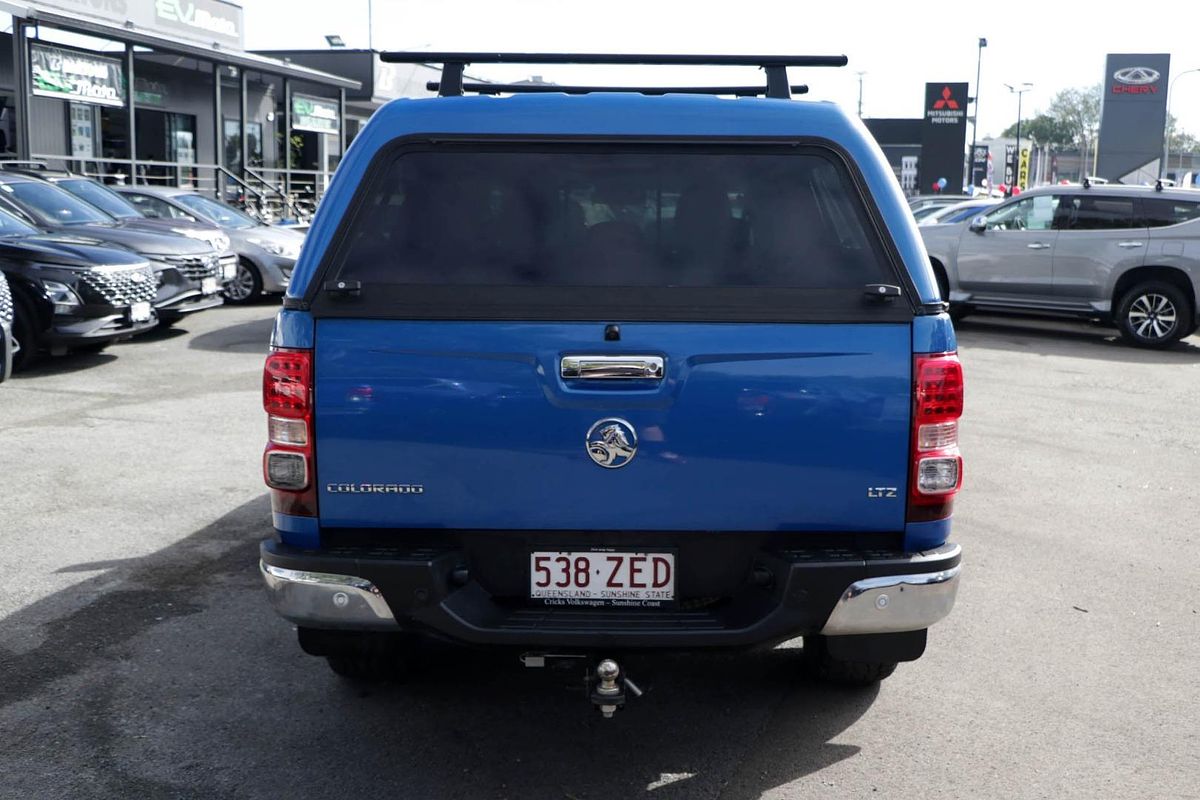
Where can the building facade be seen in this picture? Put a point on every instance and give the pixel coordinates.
(162, 91)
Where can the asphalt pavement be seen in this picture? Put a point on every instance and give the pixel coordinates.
(139, 658)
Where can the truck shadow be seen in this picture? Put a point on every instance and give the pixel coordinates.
(245, 337)
(168, 675)
(1066, 338)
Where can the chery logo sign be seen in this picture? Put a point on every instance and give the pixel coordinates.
(1136, 80)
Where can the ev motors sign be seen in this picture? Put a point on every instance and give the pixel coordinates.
(204, 22)
(200, 19)
(75, 75)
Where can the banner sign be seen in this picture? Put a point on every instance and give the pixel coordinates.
(1133, 116)
(1010, 160)
(1023, 169)
(76, 75)
(315, 114)
(943, 137)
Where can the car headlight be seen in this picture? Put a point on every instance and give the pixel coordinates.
(64, 298)
(276, 249)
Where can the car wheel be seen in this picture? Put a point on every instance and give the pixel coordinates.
(24, 333)
(1154, 314)
(819, 664)
(246, 286)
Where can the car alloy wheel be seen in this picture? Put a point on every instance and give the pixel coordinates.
(1153, 316)
(244, 284)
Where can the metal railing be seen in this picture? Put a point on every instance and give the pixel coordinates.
(269, 194)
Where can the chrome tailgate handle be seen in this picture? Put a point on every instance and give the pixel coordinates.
(612, 367)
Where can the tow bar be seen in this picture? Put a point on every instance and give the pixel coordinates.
(607, 683)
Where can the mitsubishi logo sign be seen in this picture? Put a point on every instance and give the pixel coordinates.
(1135, 80)
(947, 100)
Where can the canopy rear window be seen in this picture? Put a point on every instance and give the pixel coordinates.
(704, 221)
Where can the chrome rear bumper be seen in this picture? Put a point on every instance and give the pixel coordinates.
(320, 598)
(894, 603)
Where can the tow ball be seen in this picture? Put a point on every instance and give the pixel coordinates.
(607, 685)
(608, 690)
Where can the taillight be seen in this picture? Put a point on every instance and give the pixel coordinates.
(288, 463)
(935, 475)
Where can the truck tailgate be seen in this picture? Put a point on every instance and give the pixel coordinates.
(471, 425)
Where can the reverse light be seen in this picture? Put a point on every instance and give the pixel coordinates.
(936, 466)
(288, 463)
(287, 431)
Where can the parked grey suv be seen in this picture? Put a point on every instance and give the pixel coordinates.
(1122, 254)
(266, 253)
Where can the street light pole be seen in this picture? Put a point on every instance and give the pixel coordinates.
(1162, 172)
(975, 124)
(1025, 87)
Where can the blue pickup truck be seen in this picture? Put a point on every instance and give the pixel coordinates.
(585, 373)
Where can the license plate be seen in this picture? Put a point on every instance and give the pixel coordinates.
(209, 286)
(610, 578)
(139, 312)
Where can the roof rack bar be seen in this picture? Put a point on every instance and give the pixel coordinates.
(550, 88)
(453, 64)
(400, 57)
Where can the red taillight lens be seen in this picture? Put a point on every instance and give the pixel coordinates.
(288, 463)
(935, 475)
(287, 383)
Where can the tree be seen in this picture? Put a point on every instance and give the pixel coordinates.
(1043, 129)
(1180, 140)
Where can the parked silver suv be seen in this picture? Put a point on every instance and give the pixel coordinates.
(1129, 255)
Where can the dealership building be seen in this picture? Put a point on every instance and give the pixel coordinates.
(163, 91)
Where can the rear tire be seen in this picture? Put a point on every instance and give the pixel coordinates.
(367, 667)
(819, 664)
(360, 656)
(1154, 314)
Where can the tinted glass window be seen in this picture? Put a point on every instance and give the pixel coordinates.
(54, 205)
(223, 215)
(11, 226)
(613, 217)
(156, 208)
(1028, 214)
(1094, 212)
(1160, 212)
(101, 197)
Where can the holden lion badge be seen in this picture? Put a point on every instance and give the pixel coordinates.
(612, 443)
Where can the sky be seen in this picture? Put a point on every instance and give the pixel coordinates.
(897, 46)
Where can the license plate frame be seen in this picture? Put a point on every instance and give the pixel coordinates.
(140, 312)
(613, 578)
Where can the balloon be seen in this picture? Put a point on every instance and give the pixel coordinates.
(935, 186)
(1016, 190)
(942, 183)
